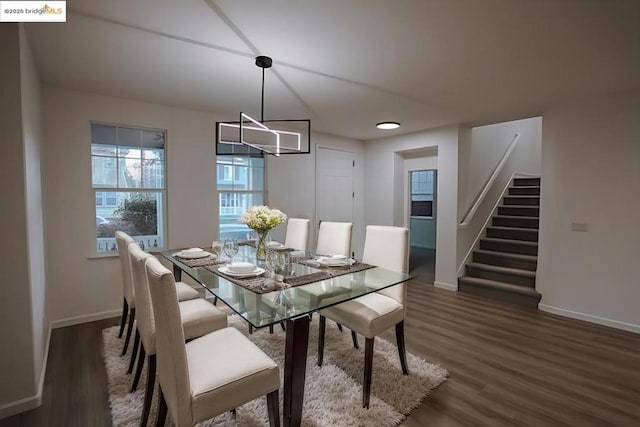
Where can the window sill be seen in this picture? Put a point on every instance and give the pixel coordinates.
(104, 255)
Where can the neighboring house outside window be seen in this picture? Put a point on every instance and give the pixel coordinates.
(240, 185)
(422, 193)
(128, 180)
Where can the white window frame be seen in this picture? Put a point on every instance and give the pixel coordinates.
(233, 202)
(97, 189)
(432, 194)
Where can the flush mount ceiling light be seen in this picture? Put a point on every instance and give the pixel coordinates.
(276, 137)
(388, 125)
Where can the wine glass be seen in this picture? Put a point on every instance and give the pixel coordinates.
(230, 248)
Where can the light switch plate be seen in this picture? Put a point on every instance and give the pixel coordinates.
(579, 226)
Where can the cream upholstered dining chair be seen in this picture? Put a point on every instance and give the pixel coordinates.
(198, 316)
(334, 238)
(128, 303)
(185, 292)
(372, 314)
(297, 236)
(208, 375)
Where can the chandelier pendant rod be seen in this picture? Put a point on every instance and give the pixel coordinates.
(262, 104)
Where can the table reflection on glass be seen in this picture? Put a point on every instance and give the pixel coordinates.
(293, 306)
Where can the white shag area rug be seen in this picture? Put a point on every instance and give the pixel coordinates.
(333, 392)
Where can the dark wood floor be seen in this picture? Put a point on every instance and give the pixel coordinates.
(508, 366)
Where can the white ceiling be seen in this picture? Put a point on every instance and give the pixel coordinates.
(347, 65)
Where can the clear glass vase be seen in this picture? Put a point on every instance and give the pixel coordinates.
(261, 246)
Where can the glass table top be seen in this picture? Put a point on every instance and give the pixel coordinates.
(266, 309)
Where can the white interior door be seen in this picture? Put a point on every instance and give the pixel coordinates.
(334, 178)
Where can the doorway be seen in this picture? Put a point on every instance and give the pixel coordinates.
(422, 221)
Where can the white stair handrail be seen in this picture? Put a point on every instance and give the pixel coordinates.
(476, 204)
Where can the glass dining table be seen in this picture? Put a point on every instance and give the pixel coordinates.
(292, 306)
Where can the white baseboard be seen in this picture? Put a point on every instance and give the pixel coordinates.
(590, 318)
(446, 286)
(85, 318)
(31, 402)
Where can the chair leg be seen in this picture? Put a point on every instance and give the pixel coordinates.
(273, 409)
(284, 328)
(368, 368)
(123, 320)
(148, 392)
(402, 352)
(339, 326)
(134, 353)
(162, 409)
(136, 378)
(322, 327)
(215, 300)
(250, 330)
(354, 338)
(270, 329)
(132, 317)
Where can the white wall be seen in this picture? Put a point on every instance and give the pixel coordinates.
(32, 135)
(81, 287)
(422, 231)
(384, 190)
(291, 186)
(481, 150)
(22, 293)
(487, 146)
(591, 175)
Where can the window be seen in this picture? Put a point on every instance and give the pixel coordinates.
(240, 185)
(422, 193)
(128, 181)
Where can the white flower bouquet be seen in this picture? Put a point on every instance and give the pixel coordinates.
(262, 218)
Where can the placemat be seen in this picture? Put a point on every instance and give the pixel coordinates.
(261, 285)
(201, 262)
(339, 271)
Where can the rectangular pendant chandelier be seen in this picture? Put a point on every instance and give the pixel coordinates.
(273, 137)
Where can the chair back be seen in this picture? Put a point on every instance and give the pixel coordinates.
(334, 238)
(171, 354)
(297, 234)
(144, 309)
(388, 247)
(122, 241)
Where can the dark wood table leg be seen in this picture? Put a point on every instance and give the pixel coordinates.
(177, 273)
(295, 365)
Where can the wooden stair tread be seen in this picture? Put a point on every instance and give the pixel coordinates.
(502, 227)
(504, 270)
(502, 286)
(516, 217)
(511, 255)
(517, 242)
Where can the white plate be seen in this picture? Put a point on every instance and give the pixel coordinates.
(258, 271)
(274, 245)
(241, 267)
(191, 255)
(332, 262)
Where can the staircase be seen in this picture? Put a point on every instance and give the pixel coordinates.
(504, 267)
